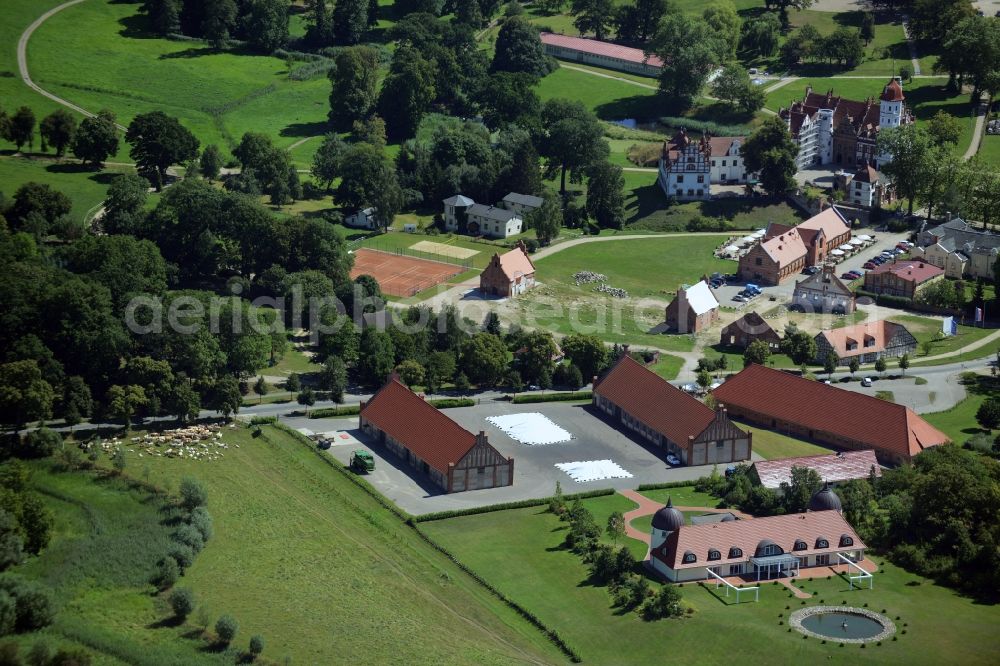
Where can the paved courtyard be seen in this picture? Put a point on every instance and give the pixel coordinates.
(535, 474)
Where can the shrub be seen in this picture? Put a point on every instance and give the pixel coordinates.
(8, 613)
(263, 420)
(190, 537)
(703, 126)
(41, 443)
(183, 554)
(447, 403)
(182, 602)
(10, 653)
(552, 397)
(167, 573)
(329, 412)
(226, 628)
(256, 645)
(202, 521)
(40, 654)
(193, 493)
(33, 604)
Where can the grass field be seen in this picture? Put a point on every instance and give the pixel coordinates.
(306, 559)
(959, 422)
(610, 99)
(535, 570)
(18, 14)
(928, 329)
(218, 96)
(85, 188)
(989, 151)
(771, 444)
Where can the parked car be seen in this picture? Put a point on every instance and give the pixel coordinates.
(740, 298)
(811, 270)
(848, 276)
(870, 265)
(673, 460)
(867, 381)
(856, 274)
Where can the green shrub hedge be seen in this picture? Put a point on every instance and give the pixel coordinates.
(503, 506)
(573, 396)
(661, 486)
(446, 403)
(263, 420)
(329, 412)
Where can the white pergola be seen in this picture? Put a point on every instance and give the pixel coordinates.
(729, 586)
(851, 564)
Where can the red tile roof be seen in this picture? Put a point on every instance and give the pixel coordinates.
(746, 534)
(832, 467)
(911, 271)
(830, 222)
(893, 92)
(596, 47)
(869, 337)
(410, 420)
(866, 174)
(515, 263)
(656, 402)
(882, 425)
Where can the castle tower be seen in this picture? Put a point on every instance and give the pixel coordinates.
(891, 105)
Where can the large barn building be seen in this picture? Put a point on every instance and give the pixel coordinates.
(827, 414)
(602, 54)
(671, 419)
(786, 249)
(432, 443)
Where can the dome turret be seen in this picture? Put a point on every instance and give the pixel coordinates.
(668, 518)
(825, 500)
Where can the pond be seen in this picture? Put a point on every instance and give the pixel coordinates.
(843, 625)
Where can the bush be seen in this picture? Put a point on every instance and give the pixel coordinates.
(32, 603)
(441, 515)
(10, 653)
(263, 420)
(330, 412)
(573, 396)
(226, 628)
(182, 602)
(183, 553)
(193, 493)
(167, 573)
(715, 129)
(446, 403)
(40, 654)
(8, 613)
(40, 443)
(190, 536)
(256, 645)
(201, 521)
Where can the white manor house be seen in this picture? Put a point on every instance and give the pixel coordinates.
(689, 167)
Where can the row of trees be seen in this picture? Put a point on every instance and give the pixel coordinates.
(844, 46)
(92, 141)
(262, 24)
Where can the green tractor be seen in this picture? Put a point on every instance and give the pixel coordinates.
(362, 462)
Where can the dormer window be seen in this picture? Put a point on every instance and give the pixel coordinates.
(800, 545)
(735, 552)
(846, 540)
(714, 554)
(689, 558)
(822, 543)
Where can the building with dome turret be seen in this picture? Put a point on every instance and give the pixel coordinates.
(757, 548)
(832, 130)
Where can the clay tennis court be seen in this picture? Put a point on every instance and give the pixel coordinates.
(399, 275)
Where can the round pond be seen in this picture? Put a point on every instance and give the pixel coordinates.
(842, 624)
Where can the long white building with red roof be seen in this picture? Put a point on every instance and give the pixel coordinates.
(432, 443)
(601, 54)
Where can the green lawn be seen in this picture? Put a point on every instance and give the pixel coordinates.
(400, 240)
(928, 329)
(610, 99)
(306, 559)
(85, 187)
(682, 496)
(116, 64)
(294, 360)
(533, 568)
(959, 422)
(771, 444)
(668, 367)
(989, 151)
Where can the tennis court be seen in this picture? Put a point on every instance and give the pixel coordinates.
(400, 275)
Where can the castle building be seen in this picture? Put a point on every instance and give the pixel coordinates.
(833, 130)
(689, 167)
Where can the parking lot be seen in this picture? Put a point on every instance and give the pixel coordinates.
(535, 474)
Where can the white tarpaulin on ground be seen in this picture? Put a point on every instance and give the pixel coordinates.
(857, 241)
(731, 249)
(838, 253)
(760, 233)
(865, 237)
(593, 470)
(531, 428)
(846, 247)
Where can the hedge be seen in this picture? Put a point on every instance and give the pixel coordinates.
(263, 420)
(713, 128)
(552, 397)
(668, 484)
(503, 506)
(328, 412)
(410, 522)
(446, 403)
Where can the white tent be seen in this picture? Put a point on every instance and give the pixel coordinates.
(838, 253)
(760, 233)
(846, 247)
(731, 249)
(857, 241)
(746, 240)
(865, 237)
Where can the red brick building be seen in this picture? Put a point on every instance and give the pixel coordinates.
(786, 250)
(693, 309)
(747, 329)
(508, 274)
(432, 443)
(668, 417)
(827, 414)
(868, 342)
(902, 278)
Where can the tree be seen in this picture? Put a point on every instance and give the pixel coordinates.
(880, 365)
(256, 645)
(770, 151)
(756, 352)
(731, 83)
(219, 21)
(40, 443)
(704, 379)
(867, 27)
(327, 160)
(182, 602)
(944, 129)
(225, 396)
(934, 20)
(587, 352)
(606, 195)
(518, 49)
(57, 130)
(36, 208)
(210, 163)
(546, 220)
(988, 414)
(159, 141)
(125, 205)
(509, 97)
(96, 139)
(306, 397)
(664, 603)
(265, 24)
(376, 357)
(77, 401)
(804, 482)
(20, 127)
(319, 32)
(830, 362)
(574, 141)
(371, 181)
(752, 98)
(406, 92)
(260, 388)
(164, 15)
(722, 17)
(350, 20)
(333, 378)
(904, 363)
(691, 47)
(483, 359)
(909, 167)
(354, 86)
(854, 365)
(593, 16)
(193, 493)
(371, 130)
(761, 35)
(843, 46)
